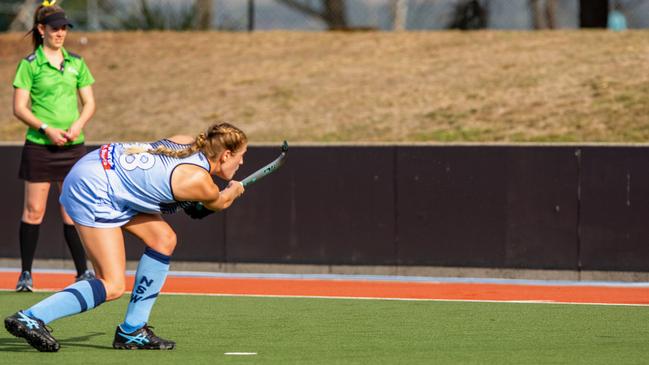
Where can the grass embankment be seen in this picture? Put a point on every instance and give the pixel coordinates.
(384, 87)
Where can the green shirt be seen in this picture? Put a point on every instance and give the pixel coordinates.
(53, 90)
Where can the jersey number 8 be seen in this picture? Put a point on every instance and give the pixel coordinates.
(142, 160)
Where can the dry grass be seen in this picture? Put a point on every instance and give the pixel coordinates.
(432, 86)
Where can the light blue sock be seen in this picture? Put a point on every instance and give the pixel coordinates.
(149, 278)
(76, 298)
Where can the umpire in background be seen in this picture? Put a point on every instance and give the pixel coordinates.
(50, 78)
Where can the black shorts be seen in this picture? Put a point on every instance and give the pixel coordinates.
(42, 163)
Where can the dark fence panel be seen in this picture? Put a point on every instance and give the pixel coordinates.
(487, 206)
(450, 208)
(328, 205)
(544, 207)
(615, 208)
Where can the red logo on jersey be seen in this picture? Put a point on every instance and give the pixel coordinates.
(106, 156)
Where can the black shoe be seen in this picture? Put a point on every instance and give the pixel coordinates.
(24, 282)
(33, 330)
(143, 339)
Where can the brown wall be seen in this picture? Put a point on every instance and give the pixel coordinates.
(541, 207)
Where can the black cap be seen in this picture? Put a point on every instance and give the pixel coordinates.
(57, 20)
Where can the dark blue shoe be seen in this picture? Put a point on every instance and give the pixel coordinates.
(33, 330)
(24, 282)
(142, 339)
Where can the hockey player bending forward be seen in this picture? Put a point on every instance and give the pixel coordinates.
(127, 186)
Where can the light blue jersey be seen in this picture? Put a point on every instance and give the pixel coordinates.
(109, 186)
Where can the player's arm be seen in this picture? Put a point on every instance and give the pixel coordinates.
(192, 183)
(226, 197)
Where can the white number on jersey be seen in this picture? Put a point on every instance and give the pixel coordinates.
(143, 160)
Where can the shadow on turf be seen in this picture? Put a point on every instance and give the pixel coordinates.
(15, 344)
(78, 341)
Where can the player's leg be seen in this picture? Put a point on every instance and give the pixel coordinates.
(34, 204)
(151, 273)
(75, 246)
(106, 249)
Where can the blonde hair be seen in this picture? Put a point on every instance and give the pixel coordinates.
(218, 138)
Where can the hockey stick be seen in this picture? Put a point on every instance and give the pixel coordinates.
(198, 210)
(268, 169)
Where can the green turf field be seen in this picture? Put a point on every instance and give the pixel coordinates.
(337, 331)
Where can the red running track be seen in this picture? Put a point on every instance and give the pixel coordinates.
(372, 289)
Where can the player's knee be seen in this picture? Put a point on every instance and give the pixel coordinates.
(33, 213)
(166, 243)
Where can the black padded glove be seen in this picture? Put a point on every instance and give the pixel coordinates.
(197, 211)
